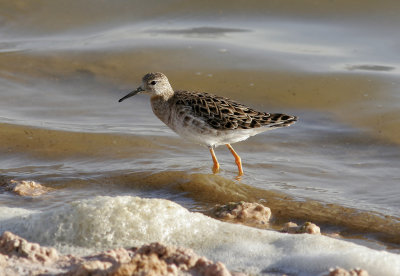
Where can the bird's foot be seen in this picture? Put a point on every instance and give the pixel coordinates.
(215, 169)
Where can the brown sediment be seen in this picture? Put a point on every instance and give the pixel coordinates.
(343, 272)
(13, 246)
(162, 260)
(257, 215)
(27, 188)
(293, 228)
(20, 257)
(252, 214)
(45, 143)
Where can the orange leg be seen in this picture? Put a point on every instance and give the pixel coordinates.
(237, 159)
(214, 158)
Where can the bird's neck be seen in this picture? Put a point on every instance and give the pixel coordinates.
(166, 95)
(161, 108)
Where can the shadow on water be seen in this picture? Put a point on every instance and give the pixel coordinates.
(199, 31)
(215, 189)
(371, 67)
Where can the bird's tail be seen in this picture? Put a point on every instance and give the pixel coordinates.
(279, 120)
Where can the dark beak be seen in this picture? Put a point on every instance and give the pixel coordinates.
(133, 93)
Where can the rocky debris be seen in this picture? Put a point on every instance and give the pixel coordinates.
(293, 228)
(146, 265)
(99, 264)
(162, 260)
(27, 188)
(343, 272)
(13, 245)
(243, 212)
(20, 257)
(258, 215)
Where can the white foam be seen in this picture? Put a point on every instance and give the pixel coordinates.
(9, 213)
(106, 222)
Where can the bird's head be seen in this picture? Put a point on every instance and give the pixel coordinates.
(154, 84)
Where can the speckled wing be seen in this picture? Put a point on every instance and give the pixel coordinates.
(222, 113)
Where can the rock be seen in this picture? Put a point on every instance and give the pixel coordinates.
(208, 268)
(91, 268)
(20, 257)
(308, 227)
(343, 272)
(158, 259)
(12, 245)
(3, 260)
(27, 188)
(243, 212)
(290, 227)
(146, 265)
(102, 263)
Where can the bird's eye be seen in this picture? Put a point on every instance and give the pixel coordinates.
(153, 82)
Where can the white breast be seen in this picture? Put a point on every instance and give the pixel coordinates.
(194, 129)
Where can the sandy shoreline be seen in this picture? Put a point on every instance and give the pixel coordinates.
(19, 256)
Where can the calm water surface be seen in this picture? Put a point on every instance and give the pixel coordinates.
(63, 67)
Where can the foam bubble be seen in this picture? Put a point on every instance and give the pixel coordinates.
(123, 221)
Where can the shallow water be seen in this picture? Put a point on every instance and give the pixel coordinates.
(334, 64)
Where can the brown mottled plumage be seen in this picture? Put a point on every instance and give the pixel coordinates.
(223, 114)
(207, 119)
